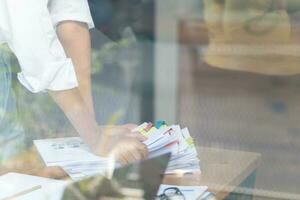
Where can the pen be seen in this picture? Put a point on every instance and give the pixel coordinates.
(23, 192)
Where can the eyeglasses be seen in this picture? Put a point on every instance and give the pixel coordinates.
(171, 193)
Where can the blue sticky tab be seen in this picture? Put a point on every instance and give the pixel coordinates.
(160, 123)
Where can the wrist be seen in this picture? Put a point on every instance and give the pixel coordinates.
(99, 144)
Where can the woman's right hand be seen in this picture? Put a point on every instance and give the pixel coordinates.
(121, 144)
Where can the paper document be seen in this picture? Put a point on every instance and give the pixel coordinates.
(73, 156)
(172, 139)
(77, 160)
(61, 151)
(24, 187)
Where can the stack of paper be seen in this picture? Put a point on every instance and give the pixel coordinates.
(77, 160)
(163, 139)
(73, 156)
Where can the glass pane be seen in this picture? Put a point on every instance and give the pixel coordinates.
(83, 74)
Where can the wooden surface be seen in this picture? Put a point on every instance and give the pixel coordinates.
(222, 170)
(29, 162)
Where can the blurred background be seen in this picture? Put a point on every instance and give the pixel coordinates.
(226, 69)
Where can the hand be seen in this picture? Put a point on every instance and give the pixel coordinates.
(122, 144)
(28, 162)
(127, 150)
(123, 130)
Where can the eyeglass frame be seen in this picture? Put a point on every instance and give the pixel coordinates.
(163, 196)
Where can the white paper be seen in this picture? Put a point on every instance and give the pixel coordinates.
(14, 183)
(177, 141)
(58, 152)
(77, 160)
(74, 157)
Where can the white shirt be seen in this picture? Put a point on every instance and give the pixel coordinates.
(26, 26)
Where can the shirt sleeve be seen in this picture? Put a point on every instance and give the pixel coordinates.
(44, 65)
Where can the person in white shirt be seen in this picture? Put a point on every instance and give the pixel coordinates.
(51, 40)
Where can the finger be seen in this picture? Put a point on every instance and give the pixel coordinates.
(120, 158)
(139, 136)
(133, 152)
(128, 157)
(130, 126)
(143, 150)
(136, 155)
(126, 151)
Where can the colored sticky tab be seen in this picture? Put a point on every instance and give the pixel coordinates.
(190, 142)
(148, 127)
(140, 128)
(159, 124)
(151, 131)
(143, 132)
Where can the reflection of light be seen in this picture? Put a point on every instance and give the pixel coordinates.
(181, 172)
(109, 173)
(111, 166)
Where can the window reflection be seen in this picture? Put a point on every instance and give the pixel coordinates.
(239, 82)
(226, 69)
(252, 36)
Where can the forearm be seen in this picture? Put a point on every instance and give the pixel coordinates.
(72, 104)
(75, 38)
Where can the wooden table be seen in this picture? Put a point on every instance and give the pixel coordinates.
(223, 171)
